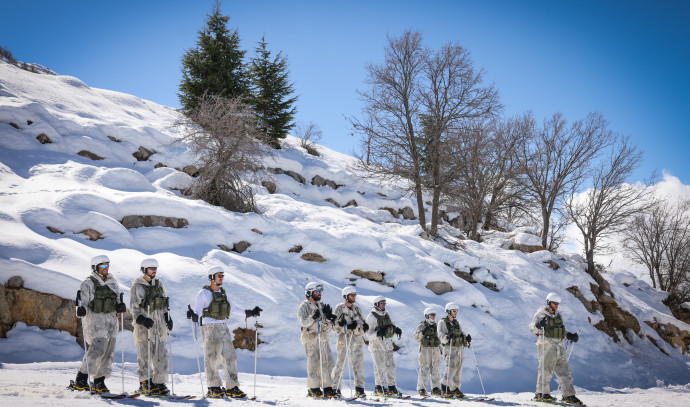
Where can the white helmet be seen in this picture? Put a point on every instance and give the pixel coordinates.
(553, 297)
(430, 310)
(311, 287)
(452, 306)
(147, 263)
(98, 260)
(348, 290)
(213, 271)
(378, 299)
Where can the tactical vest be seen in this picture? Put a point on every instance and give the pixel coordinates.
(554, 327)
(219, 308)
(430, 339)
(454, 328)
(104, 299)
(384, 321)
(153, 297)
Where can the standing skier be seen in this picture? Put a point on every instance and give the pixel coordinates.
(316, 320)
(381, 331)
(149, 306)
(453, 339)
(215, 308)
(349, 319)
(98, 306)
(548, 325)
(429, 354)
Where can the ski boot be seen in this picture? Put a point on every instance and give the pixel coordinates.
(235, 393)
(329, 392)
(359, 393)
(378, 390)
(147, 387)
(458, 394)
(546, 397)
(393, 391)
(215, 392)
(99, 385)
(161, 389)
(422, 392)
(80, 383)
(572, 400)
(436, 391)
(314, 392)
(338, 393)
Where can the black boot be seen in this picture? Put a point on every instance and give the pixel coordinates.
(393, 391)
(572, 400)
(161, 389)
(81, 382)
(99, 385)
(236, 393)
(378, 390)
(314, 392)
(215, 392)
(359, 392)
(436, 391)
(147, 387)
(329, 392)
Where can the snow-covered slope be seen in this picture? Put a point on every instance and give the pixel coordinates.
(45, 185)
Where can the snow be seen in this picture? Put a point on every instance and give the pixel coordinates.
(50, 185)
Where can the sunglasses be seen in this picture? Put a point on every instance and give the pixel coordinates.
(152, 268)
(220, 276)
(104, 266)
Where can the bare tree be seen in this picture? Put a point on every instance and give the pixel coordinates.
(557, 160)
(605, 208)
(230, 151)
(391, 116)
(309, 134)
(659, 239)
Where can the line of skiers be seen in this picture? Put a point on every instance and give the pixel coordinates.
(100, 305)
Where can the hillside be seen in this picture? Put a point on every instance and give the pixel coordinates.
(88, 178)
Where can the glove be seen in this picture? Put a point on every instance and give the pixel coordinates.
(398, 332)
(120, 308)
(365, 326)
(81, 311)
(468, 338)
(381, 332)
(541, 324)
(352, 325)
(316, 314)
(572, 337)
(328, 313)
(168, 321)
(341, 320)
(146, 322)
(192, 315)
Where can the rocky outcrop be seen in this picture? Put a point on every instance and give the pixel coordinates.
(439, 287)
(525, 248)
(672, 335)
(320, 181)
(138, 221)
(313, 257)
(616, 320)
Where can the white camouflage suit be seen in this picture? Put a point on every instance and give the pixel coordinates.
(100, 330)
(218, 347)
(552, 358)
(429, 358)
(310, 340)
(157, 334)
(453, 355)
(381, 350)
(354, 338)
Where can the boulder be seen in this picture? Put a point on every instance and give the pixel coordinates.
(143, 154)
(295, 249)
(43, 139)
(138, 221)
(465, 276)
(270, 186)
(15, 282)
(525, 248)
(89, 155)
(92, 234)
(191, 170)
(439, 287)
(240, 247)
(407, 213)
(318, 181)
(313, 257)
(376, 276)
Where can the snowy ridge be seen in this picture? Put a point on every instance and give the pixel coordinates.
(50, 185)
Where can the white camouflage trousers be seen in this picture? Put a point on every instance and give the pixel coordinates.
(100, 354)
(384, 367)
(157, 371)
(553, 359)
(452, 377)
(356, 356)
(314, 367)
(219, 350)
(429, 367)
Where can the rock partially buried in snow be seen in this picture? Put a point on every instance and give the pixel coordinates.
(138, 221)
(143, 154)
(376, 276)
(439, 287)
(90, 155)
(270, 186)
(313, 257)
(525, 248)
(92, 234)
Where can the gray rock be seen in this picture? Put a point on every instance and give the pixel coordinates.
(439, 287)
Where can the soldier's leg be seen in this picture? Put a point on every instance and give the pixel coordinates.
(340, 366)
(424, 368)
(357, 361)
(390, 367)
(212, 354)
(311, 349)
(159, 360)
(229, 358)
(435, 367)
(563, 375)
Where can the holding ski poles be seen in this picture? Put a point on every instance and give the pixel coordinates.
(381, 331)
(349, 328)
(451, 335)
(548, 325)
(316, 321)
(214, 307)
(429, 354)
(149, 307)
(98, 306)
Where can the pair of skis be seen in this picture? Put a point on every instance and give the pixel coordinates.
(558, 403)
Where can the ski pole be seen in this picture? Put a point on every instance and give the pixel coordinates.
(541, 373)
(168, 339)
(572, 348)
(318, 325)
(480, 375)
(148, 344)
(122, 343)
(86, 352)
(339, 379)
(196, 351)
(349, 367)
(447, 375)
(256, 351)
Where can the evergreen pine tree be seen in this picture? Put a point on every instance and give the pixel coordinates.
(215, 66)
(270, 93)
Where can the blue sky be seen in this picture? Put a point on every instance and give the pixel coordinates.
(629, 59)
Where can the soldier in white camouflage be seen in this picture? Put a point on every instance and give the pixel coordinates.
(429, 354)
(349, 328)
(453, 340)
